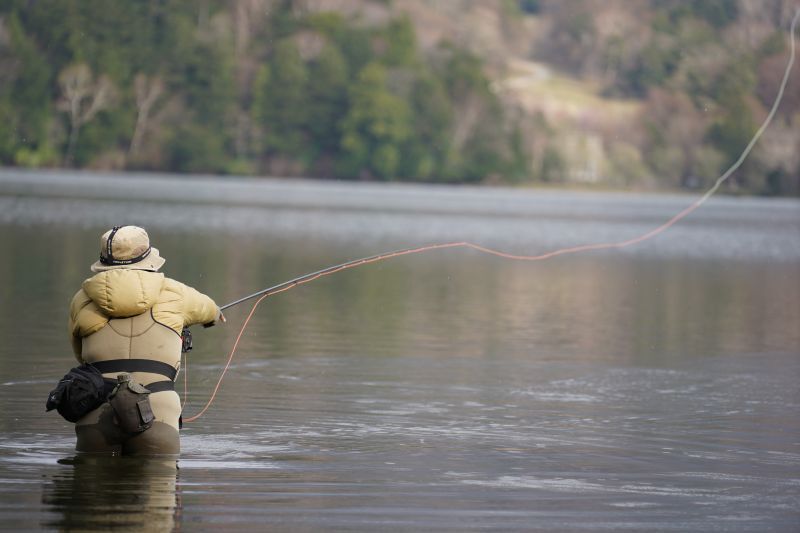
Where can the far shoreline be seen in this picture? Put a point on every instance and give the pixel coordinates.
(532, 187)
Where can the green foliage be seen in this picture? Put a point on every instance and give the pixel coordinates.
(38, 157)
(463, 72)
(717, 13)
(553, 166)
(401, 43)
(377, 124)
(8, 132)
(653, 68)
(282, 100)
(774, 44)
(707, 164)
(519, 163)
(731, 133)
(327, 98)
(354, 43)
(487, 150)
(196, 148)
(625, 165)
(261, 99)
(484, 155)
(735, 83)
(324, 94)
(780, 182)
(282, 20)
(206, 81)
(25, 87)
(425, 152)
(110, 130)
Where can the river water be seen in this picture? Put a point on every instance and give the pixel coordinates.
(652, 388)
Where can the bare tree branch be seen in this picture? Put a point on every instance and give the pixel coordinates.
(147, 90)
(83, 99)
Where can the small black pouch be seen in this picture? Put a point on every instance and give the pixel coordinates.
(79, 392)
(131, 403)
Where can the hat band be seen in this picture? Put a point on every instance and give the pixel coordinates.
(113, 262)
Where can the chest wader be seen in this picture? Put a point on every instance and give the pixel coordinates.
(137, 419)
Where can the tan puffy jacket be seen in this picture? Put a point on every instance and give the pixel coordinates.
(136, 314)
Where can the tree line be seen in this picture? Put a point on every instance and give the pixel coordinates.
(267, 87)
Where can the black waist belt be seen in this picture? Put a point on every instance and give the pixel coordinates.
(136, 365)
(156, 386)
(161, 386)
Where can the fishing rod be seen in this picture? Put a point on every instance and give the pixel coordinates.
(306, 278)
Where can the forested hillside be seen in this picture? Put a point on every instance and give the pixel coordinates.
(644, 93)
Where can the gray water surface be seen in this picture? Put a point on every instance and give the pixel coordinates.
(653, 388)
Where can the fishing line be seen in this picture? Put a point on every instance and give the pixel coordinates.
(307, 278)
(185, 369)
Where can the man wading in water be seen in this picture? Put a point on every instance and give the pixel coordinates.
(126, 321)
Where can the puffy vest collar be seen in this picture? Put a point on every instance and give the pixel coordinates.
(123, 292)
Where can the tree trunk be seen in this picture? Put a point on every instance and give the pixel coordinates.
(138, 132)
(147, 91)
(72, 143)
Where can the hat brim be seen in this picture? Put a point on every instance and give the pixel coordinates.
(153, 262)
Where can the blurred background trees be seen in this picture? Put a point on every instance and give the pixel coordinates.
(639, 93)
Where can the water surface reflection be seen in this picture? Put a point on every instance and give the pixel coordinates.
(90, 492)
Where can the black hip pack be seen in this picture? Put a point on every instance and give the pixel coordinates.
(79, 392)
(84, 389)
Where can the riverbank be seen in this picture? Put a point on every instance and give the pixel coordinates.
(277, 191)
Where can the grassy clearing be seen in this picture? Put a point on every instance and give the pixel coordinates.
(539, 89)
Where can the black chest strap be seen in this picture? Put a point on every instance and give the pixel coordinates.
(136, 365)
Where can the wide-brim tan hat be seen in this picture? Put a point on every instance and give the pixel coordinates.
(127, 247)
